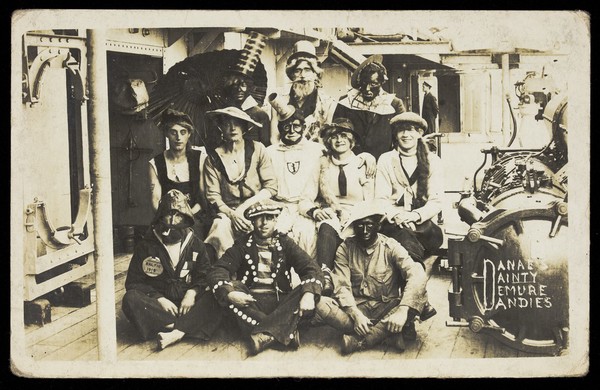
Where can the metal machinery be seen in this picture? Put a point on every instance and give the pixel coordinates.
(510, 271)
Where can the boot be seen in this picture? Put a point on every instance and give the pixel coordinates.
(327, 312)
(328, 285)
(295, 342)
(408, 331)
(352, 343)
(397, 341)
(427, 312)
(259, 342)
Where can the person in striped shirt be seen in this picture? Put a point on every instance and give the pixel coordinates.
(252, 281)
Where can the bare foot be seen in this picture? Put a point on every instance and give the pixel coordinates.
(164, 339)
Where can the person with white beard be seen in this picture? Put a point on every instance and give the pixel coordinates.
(306, 95)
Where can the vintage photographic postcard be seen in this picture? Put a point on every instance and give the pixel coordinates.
(508, 283)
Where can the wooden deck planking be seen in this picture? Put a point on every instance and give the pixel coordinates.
(469, 344)
(76, 348)
(72, 336)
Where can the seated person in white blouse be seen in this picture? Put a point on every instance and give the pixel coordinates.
(343, 182)
(409, 179)
(179, 167)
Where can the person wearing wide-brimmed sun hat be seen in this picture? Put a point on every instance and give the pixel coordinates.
(343, 182)
(369, 107)
(410, 181)
(379, 288)
(237, 174)
(253, 281)
(306, 95)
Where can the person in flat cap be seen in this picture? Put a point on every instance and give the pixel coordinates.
(379, 288)
(304, 71)
(237, 174)
(430, 109)
(369, 107)
(166, 280)
(252, 281)
(343, 182)
(410, 181)
(238, 85)
(179, 167)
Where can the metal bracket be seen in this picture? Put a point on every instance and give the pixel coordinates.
(62, 236)
(49, 55)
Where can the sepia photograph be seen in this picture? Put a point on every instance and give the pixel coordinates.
(299, 194)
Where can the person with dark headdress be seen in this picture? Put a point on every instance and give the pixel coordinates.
(379, 289)
(304, 70)
(343, 182)
(410, 181)
(166, 280)
(237, 174)
(369, 107)
(179, 167)
(238, 84)
(252, 281)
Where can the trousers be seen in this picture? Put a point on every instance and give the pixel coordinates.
(148, 316)
(277, 315)
(329, 312)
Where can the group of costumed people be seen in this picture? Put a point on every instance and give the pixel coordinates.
(322, 213)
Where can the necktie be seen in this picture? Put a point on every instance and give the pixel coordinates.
(342, 182)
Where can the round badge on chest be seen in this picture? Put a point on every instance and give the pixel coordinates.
(152, 266)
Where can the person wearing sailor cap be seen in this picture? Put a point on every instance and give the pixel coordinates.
(237, 174)
(252, 281)
(379, 288)
(166, 280)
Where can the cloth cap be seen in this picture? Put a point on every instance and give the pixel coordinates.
(356, 74)
(337, 126)
(363, 210)
(233, 112)
(263, 207)
(284, 111)
(175, 200)
(250, 54)
(408, 117)
(172, 117)
(427, 84)
(302, 49)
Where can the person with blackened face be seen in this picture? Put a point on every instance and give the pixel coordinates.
(379, 289)
(369, 107)
(166, 281)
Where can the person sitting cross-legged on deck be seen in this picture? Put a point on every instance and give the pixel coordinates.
(367, 305)
(252, 280)
(166, 280)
